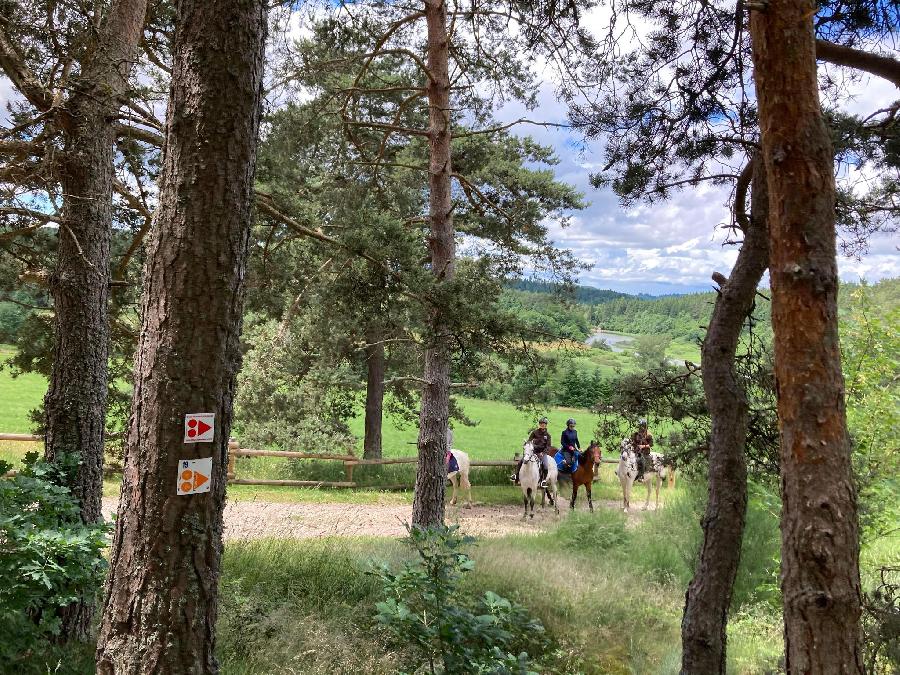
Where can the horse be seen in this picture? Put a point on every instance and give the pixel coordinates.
(627, 471)
(584, 474)
(461, 477)
(529, 477)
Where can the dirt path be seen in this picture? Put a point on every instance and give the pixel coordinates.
(256, 520)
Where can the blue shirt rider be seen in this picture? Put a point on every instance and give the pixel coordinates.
(569, 444)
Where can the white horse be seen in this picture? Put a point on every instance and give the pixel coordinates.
(461, 477)
(627, 471)
(529, 477)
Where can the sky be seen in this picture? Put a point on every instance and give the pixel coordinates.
(676, 245)
(663, 248)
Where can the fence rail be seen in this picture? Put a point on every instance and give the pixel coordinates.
(349, 461)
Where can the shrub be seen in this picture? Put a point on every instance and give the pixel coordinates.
(600, 531)
(671, 542)
(48, 558)
(425, 609)
(881, 624)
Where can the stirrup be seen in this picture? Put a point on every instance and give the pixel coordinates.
(543, 484)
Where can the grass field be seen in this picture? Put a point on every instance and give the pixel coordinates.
(498, 434)
(18, 396)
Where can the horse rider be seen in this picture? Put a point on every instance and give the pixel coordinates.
(540, 443)
(569, 444)
(642, 441)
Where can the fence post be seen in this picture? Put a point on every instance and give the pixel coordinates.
(232, 446)
(348, 467)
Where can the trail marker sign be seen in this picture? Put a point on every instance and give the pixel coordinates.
(194, 476)
(199, 427)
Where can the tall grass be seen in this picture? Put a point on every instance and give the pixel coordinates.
(609, 592)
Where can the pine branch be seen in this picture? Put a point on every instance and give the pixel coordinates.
(875, 64)
(22, 77)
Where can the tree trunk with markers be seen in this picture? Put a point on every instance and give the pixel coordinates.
(431, 475)
(703, 627)
(160, 608)
(819, 529)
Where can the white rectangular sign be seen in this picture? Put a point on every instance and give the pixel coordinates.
(199, 427)
(194, 476)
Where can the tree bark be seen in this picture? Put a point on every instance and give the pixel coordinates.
(431, 475)
(703, 627)
(374, 394)
(160, 608)
(75, 403)
(820, 532)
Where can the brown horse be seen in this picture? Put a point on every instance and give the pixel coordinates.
(584, 474)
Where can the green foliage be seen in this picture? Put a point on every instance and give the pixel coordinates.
(48, 558)
(288, 398)
(668, 549)
(600, 531)
(546, 316)
(425, 608)
(881, 624)
(650, 350)
(870, 342)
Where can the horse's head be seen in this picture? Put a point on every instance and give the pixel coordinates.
(627, 448)
(592, 453)
(528, 451)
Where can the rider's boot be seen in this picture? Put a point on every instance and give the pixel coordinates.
(543, 476)
(515, 474)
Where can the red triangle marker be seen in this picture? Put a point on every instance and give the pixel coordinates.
(199, 478)
(202, 427)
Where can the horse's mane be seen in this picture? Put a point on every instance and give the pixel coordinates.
(583, 455)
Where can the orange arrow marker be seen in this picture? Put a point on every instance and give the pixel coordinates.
(199, 479)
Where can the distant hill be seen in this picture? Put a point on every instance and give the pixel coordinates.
(585, 295)
(680, 316)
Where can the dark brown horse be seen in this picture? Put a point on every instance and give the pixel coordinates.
(584, 474)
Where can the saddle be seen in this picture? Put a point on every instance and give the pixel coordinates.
(561, 464)
(452, 464)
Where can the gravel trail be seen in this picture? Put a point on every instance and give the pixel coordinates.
(257, 519)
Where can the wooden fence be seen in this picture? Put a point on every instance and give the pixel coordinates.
(349, 460)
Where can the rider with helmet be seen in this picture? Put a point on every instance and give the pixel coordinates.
(569, 444)
(642, 441)
(540, 443)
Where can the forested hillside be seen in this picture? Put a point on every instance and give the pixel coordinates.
(679, 316)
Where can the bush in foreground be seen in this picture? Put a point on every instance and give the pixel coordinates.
(450, 632)
(48, 559)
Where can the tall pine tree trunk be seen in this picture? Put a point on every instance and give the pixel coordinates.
(160, 609)
(75, 404)
(431, 475)
(819, 528)
(374, 394)
(703, 627)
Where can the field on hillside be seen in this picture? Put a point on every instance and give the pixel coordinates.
(18, 396)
